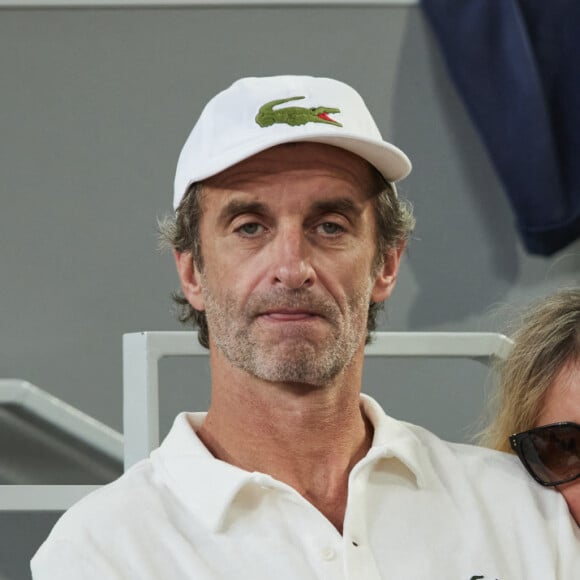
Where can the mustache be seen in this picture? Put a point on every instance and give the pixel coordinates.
(292, 300)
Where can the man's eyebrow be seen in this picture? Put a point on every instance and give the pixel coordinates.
(340, 205)
(237, 206)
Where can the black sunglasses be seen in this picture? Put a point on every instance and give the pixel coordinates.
(550, 453)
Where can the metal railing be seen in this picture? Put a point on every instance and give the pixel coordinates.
(68, 419)
(143, 351)
(141, 355)
(198, 3)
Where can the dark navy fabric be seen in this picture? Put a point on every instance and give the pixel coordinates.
(516, 64)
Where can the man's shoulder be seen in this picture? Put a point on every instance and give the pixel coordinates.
(455, 467)
(113, 502)
(467, 455)
(96, 532)
(480, 471)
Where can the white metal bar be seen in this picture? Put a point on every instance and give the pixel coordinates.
(141, 355)
(174, 343)
(28, 397)
(62, 415)
(41, 497)
(485, 346)
(142, 352)
(199, 3)
(418, 344)
(140, 396)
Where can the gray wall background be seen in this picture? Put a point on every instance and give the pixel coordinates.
(95, 105)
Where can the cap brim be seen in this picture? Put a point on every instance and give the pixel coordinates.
(389, 160)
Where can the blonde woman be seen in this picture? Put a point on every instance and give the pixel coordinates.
(537, 404)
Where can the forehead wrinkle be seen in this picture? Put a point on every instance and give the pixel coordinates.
(297, 158)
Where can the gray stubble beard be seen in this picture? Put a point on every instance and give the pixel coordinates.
(297, 360)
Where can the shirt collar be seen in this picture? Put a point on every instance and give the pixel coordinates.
(208, 486)
(393, 438)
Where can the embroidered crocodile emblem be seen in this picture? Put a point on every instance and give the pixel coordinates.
(293, 116)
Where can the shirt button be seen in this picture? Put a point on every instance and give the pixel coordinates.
(327, 553)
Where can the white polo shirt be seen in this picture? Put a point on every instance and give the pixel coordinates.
(418, 508)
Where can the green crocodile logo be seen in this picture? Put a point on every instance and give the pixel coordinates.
(293, 116)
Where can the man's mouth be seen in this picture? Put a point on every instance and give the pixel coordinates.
(298, 308)
(290, 315)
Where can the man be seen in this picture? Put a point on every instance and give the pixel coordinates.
(288, 235)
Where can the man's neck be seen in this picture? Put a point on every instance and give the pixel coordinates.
(307, 437)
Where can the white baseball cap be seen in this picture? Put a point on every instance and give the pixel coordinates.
(254, 114)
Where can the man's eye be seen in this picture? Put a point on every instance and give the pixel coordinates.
(330, 228)
(250, 229)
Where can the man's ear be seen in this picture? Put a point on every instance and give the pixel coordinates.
(190, 279)
(386, 275)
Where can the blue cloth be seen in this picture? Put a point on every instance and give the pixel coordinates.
(516, 64)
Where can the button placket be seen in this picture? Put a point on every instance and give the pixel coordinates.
(358, 557)
(355, 521)
(320, 540)
(325, 552)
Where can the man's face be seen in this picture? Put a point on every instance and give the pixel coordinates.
(288, 244)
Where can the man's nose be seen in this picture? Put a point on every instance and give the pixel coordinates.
(292, 260)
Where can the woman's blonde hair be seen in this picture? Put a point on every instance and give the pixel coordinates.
(545, 343)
